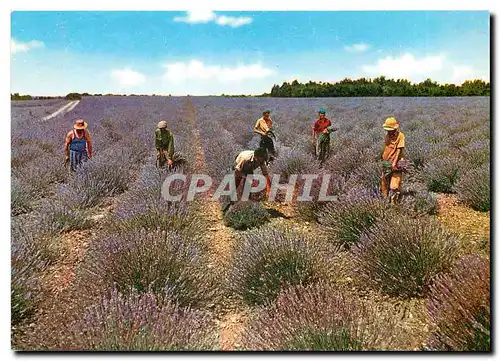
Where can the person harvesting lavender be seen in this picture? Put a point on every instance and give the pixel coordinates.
(264, 126)
(78, 145)
(164, 141)
(392, 175)
(321, 135)
(246, 162)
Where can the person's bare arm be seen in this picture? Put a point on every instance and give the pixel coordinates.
(313, 132)
(265, 172)
(89, 144)
(268, 186)
(66, 145)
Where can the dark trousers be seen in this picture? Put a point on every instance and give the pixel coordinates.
(267, 142)
(76, 159)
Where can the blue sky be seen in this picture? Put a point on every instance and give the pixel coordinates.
(239, 52)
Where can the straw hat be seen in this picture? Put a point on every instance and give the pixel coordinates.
(80, 124)
(162, 124)
(391, 124)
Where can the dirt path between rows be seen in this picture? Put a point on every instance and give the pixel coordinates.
(472, 227)
(233, 316)
(63, 110)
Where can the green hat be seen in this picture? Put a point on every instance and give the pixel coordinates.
(266, 111)
(321, 111)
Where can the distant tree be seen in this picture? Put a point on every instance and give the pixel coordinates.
(16, 96)
(73, 96)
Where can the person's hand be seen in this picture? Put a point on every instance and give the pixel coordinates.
(325, 131)
(90, 155)
(66, 160)
(170, 162)
(394, 167)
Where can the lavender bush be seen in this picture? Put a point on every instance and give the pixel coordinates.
(138, 322)
(42, 174)
(61, 216)
(473, 188)
(34, 232)
(419, 150)
(96, 179)
(156, 262)
(320, 318)
(144, 207)
(27, 266)
(245, 215)
(21, 197)
(269, 260)
(291, 161)
(346, 219)
(401, 256)
(477, 152)
(310, 209)
(441, 174)
(422, 202)
(367, 175)
(459, 305)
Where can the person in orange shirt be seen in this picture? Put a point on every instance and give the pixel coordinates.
(264, 127)
(392, 176)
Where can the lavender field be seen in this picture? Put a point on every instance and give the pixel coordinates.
(101, 261)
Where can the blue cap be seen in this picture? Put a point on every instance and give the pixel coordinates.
(322, 111)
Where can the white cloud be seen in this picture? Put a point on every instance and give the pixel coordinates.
(196, 17)
(357, 48)
(195, 69)
(462, 73)
(435, 67)
(19, 47)
(206, 16)
(128, 77)
(406, 67)
(232, 21)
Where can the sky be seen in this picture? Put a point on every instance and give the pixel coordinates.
(212, 52)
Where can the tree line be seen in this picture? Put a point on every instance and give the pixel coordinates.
(379, 87)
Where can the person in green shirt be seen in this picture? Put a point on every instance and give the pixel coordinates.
(164, 141)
